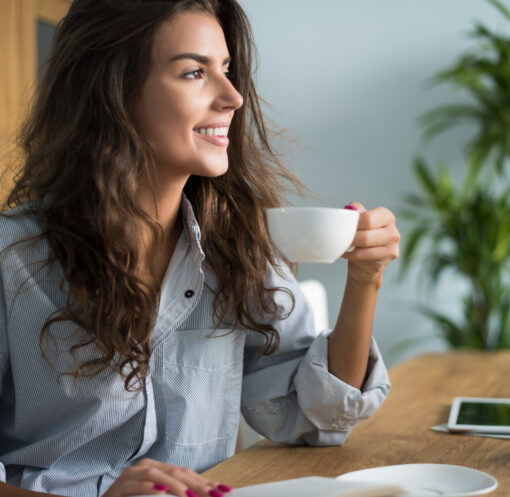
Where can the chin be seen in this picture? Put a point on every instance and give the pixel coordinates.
(213, 171)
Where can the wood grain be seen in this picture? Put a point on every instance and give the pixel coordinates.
(10, 60)
(52, 11)
(18, 59)
(398, 433)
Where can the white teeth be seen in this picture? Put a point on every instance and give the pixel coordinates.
(212, 131)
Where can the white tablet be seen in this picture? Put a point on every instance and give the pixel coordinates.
(487, 415)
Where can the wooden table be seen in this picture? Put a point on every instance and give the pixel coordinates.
(398, 433)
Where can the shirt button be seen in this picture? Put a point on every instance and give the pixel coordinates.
(189, 293)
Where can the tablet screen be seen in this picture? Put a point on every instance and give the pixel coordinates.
(481, 413)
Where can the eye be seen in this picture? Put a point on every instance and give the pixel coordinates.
(229, 75)
(196, 74)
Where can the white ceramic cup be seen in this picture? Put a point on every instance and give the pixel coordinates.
(312, 234)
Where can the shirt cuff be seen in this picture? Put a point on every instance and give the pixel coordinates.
(331, 404)
(3, 476)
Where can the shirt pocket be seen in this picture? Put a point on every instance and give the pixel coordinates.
(201, 385)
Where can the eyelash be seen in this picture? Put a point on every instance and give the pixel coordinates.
(229, 74)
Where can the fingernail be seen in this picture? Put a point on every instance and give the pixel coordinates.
(224, 488)
(160, 488)
(190, 493)
(215, 493)
(351, 207)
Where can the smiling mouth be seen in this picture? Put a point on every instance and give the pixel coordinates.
(212, 131)
(217, 136)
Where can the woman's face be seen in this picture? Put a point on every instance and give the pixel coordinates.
(187, 102)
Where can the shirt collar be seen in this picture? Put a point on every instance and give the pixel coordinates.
(192, 228)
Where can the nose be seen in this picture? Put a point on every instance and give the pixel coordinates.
(228, 97)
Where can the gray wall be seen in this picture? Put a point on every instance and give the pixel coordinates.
(348, 78)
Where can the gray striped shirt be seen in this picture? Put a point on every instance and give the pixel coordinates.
(73, 438)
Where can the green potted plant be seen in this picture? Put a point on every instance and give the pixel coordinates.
(465, 228)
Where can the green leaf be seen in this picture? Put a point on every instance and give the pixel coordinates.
(501, 8)
(403, 346)
(411, 243)
(440, 262)
(424, 177)
(503, 152)
(415, 200)
(467, 229)
(472, 169)
(503, 336)
(479, 152)
(452, 332)
(440, 119)
(445, 183)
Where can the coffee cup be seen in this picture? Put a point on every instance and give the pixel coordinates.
(312, 234)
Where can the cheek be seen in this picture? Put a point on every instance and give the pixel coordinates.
(163, 114)
(161, 120)
(172, 125)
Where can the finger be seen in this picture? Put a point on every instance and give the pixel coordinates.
(375, 218)
(374, 254)
(156, 476)
(377, 237)
(146, 461)
(359, 207)
(200, 485)
(140, 487)
(197, 483)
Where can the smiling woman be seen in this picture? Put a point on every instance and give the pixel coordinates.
(143, 306)
(188, 99)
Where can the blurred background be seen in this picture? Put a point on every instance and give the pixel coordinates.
(348, 80)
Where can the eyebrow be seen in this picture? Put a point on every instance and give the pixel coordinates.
(199, 58)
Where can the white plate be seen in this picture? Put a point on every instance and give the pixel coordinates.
(429, 480)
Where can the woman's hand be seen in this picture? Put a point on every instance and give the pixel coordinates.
(377, 244)
(150, 477)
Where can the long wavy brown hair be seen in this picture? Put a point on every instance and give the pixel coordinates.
(83, 162)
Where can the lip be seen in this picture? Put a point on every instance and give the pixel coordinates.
(221, 141)
(215, 125)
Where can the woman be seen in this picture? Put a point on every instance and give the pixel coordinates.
(142, 305)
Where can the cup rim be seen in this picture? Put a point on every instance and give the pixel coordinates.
(307, 208)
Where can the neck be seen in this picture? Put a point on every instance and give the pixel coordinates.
(164, 208)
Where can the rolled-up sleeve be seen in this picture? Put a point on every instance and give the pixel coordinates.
(291, 396)
(332, 405)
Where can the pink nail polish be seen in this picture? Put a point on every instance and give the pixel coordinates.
(224, 488)
(215, 493)
(190, 493)
(351, 207)
(160, 488)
